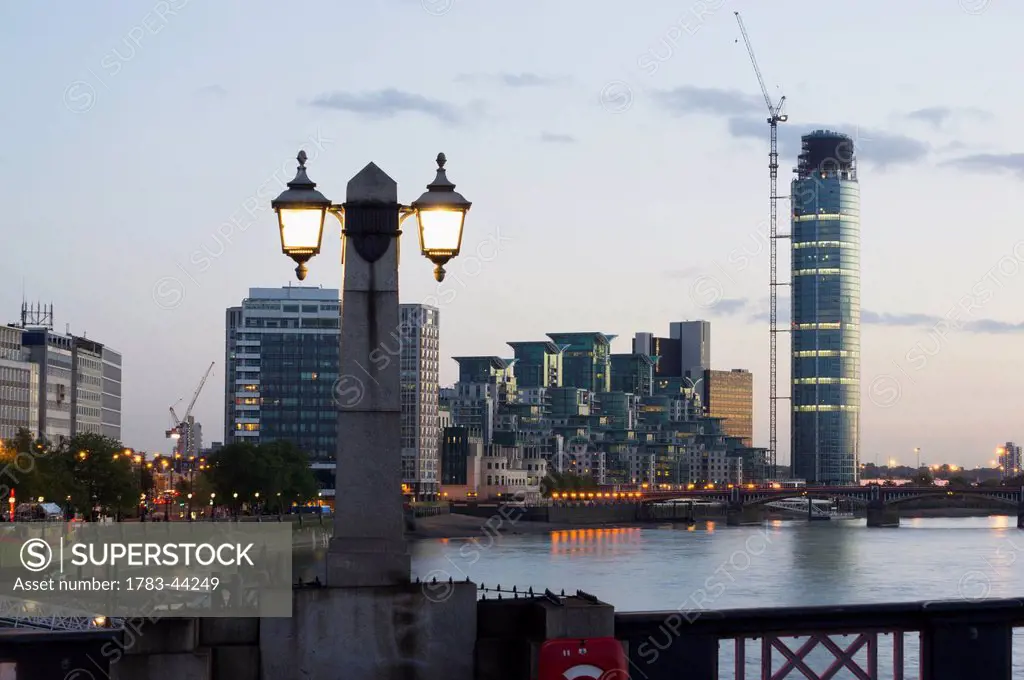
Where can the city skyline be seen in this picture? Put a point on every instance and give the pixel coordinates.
(168, 119)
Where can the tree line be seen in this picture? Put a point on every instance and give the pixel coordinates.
(93, 471)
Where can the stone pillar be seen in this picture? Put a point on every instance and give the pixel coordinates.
(1020, 515)
(369, 547)
(882, 515)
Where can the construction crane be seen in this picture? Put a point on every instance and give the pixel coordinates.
(775, 116)
(180, 424)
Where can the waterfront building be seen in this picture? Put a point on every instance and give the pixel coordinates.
(497, 471)
(632, 373)
(458, 444)
(486, 385)
(538, 363)
(420, 366)
(281, 368)
(667, 354)
(825, 439)
(714, 466)
(586, 360)
(729, 395)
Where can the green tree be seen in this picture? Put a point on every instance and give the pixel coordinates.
(923, 477)
(33, 469)
(102, 474)
(268, 469)
(198, 484)
(958, 482)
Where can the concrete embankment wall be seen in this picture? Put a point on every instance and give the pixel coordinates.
(592, 514)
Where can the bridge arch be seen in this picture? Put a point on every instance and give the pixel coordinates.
(859, 499)
(1008, 499)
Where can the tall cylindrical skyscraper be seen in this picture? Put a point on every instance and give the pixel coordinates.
(826, 311)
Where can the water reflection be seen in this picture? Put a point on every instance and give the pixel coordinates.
(593, 542)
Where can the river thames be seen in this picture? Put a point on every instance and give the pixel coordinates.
(782, 563)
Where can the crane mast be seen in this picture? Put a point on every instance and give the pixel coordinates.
(180, 425)
(775, 116)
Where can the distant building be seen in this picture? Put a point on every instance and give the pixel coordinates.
(1010, 464)
(420, 366)
(19, 386)
(86, 386)
(730, 395)
(498, 471)
(586, 362)
(538, 363)
(686, 353)
(458, 445)
(825, 329)
(632, 373)
(486, 384)
(714, 466)
(281, 348)
(694, 345)
(78, 384)
(111, 417)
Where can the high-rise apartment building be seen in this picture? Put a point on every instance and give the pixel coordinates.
(1010, 463)
(632, 373)
(486, 384)
(281, 363)
(420, 369)
(826, 311)
(586, 360)
(694, 346)
(730, 395)
(538, 363)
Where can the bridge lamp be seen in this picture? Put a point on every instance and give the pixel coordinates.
(441, 213)
(301, 209)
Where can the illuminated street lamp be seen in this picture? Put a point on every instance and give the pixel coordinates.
(440, 211)
(368, 547)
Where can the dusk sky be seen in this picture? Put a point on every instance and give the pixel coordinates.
(616, 157)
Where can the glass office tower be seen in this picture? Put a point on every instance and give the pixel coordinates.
(826, 311)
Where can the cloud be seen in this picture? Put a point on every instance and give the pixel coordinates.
(684, 273)
(213, 90)
(388, 103)
(518, 80)
(757, 310)
(991, 162)
(730, 306)
(937, 116)
(688, 100)
(556, 138)
(881, 149)
(746, 114)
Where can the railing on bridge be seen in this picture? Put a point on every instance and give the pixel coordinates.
(931, 640)
(22, 614)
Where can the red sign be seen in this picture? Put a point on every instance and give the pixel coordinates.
(576, 659)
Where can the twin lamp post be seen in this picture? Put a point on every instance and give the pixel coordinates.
(301, 209)
(368, 548)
